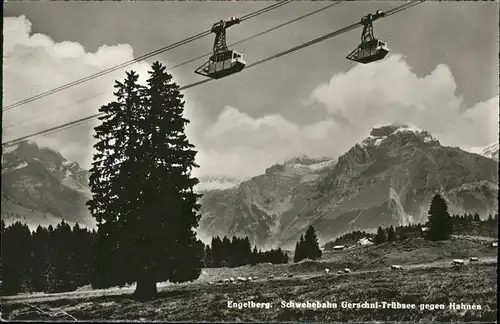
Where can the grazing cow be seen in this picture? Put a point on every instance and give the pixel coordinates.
(231, 279)
(473, 259)
(347, 270)
(242, 279)
(270, 277)
(396, 267)
(327, 271)
(249, 278)
(210, 283)
(225, 280)
(254, 278)
(458, 262)
(340, 272)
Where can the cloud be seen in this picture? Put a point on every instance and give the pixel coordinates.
(34, 63)
(242, 146)
(388, 91)
(367, 95)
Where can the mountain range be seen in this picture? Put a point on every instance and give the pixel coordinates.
(388, 178)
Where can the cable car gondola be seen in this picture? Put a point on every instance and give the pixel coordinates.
(224, 61)
(371, 49)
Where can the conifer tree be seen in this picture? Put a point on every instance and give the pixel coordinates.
(440, 225)
(311, 246)
(143, 188)
(380, 237)
(299, 250)
(41, 263)
(16, 259)
(208, 261)
(253, 259)
(391, 235)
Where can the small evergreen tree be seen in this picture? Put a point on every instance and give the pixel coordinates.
(299, 250)
(380, 237)
(311, 246)
(207, 260)
(254, 258)
(439, 223)
(391, 235)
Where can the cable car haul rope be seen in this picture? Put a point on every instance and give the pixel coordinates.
(370, 49)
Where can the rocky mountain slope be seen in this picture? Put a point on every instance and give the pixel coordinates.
(389, 178)
(256, 206)
(40, 187)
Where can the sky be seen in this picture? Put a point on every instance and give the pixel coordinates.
(441, 75)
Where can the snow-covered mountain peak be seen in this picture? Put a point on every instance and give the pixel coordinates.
(490, 151)
(382, 134)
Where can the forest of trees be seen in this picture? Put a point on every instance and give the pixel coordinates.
(63, 258)
(466, 224)
(238, 252)
(47, 259)
(307, 247)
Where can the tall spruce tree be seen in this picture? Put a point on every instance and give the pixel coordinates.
(143, 200)
(439, 223)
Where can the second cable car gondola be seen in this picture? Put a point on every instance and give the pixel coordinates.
(224, 61)
(371, 49)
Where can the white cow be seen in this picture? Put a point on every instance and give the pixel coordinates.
(458, 262)
(347, 270)
(396, 267)
(473, 259)
(327, 271)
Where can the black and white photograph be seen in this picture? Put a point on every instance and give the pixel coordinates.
(250, 161)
